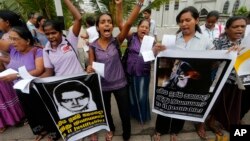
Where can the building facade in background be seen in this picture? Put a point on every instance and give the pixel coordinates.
(171, 9)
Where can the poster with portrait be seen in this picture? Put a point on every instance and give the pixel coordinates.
(187, 83)
(242, 66)
(75, 104)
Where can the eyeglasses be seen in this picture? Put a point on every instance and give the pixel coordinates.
(14, 38)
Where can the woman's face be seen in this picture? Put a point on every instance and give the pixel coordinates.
(187, 23)
(143, 29)
(4, 25)
(210, 22)
(54, 37)
(236, 30)
(74, 101)
(19, 43)
(105, 26)
(42, 22)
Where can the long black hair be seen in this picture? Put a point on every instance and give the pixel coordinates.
(195, 14)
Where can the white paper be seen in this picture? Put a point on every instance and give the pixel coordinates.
(168, 40)
(148, 56)
(99, 68)
(147, 43)
(7, 72)
(24, 84)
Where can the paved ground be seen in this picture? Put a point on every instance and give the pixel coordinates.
(139, 132)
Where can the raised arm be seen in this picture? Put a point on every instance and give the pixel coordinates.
(119, 13)
(126, 27)
(77, 17)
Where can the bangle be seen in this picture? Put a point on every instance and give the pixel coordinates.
(18, 76)
(139, 4)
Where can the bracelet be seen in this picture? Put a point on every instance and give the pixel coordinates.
(139, 4)
(18, 76)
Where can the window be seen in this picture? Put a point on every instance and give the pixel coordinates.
(203, 12)
(176, 5)
(225, 8)
(166, 6)
(236, 6)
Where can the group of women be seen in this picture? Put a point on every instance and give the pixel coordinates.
(129, 85)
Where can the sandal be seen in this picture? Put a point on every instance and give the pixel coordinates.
(173, 137)
(109, 136)
(200, 129)
(157, 136)
(216, 129)
(2, 129)
(93, 137)
(41, 136)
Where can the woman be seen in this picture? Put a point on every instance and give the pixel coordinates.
(227, 108)
(40, 37)
(60, 53)
(189, 37)
(211, 29)
(137, 71)
(23, 53)
(106, 50)
(11, 112)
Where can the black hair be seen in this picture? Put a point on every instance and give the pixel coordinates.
(13, 18)
(39, 18)
(147, 10)
(213, 13)
(71, 86)
(24, 33)
(90, 21)
(98, 20)
(232, 19)
(142, 20)
(195, 14)
(54, 24)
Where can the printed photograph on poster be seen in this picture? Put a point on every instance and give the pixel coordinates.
(188, 82)
(242, 66)
(75, 104)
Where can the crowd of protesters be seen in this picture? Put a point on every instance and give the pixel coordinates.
(40, 46)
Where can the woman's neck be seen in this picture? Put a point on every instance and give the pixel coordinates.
(26, 50)
(187, 37)
(103, 42)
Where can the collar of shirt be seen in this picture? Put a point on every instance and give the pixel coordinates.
(196, 35)
(95, 44)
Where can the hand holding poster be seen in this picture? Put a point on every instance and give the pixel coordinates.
(187, 82)
(75, 104)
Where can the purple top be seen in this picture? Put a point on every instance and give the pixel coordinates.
(28, 60)
(114, 77)
(135, 63)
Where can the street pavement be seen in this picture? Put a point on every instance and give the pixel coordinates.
(139, 132)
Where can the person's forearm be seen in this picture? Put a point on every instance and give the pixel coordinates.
(119, 13)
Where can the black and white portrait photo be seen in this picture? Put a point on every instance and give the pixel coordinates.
(75, 99)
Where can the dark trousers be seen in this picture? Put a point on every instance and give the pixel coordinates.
(166, 125)
(122, 100)
(37, 114)
(245, 104)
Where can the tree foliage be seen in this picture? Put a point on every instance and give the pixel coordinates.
(242, 11)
